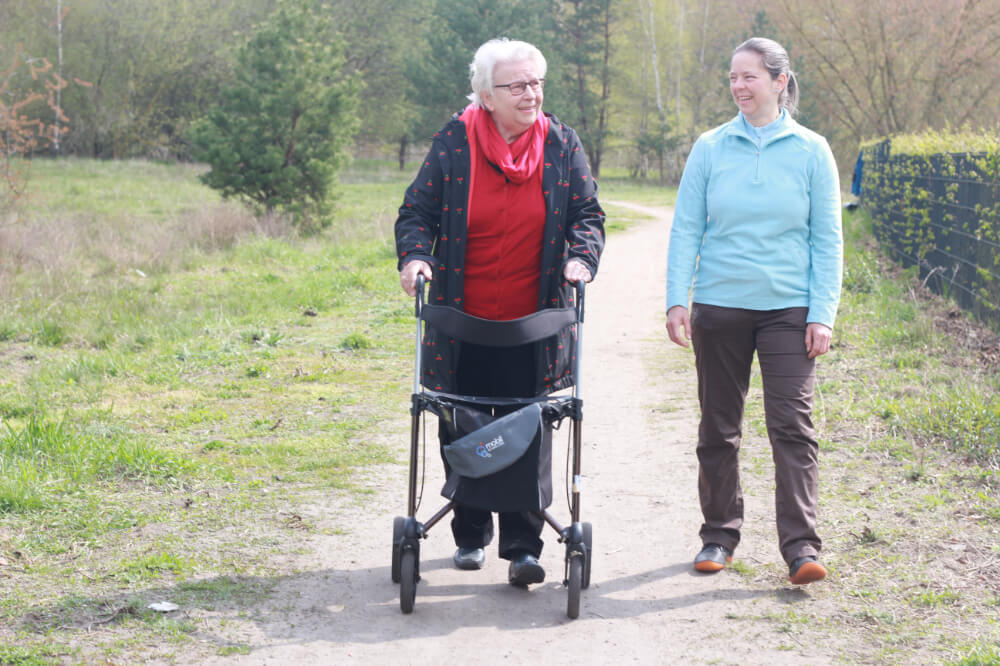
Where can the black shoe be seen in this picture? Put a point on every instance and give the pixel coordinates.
(469, 558)
(712, 558)
(525, 570)
(805, 570)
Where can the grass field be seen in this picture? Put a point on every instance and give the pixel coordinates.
(178, 376)
(175, 369)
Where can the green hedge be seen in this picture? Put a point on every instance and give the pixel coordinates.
(935, 202)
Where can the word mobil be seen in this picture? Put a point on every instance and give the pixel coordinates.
(483, 450)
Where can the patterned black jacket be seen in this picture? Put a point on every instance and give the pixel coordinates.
(432, 227)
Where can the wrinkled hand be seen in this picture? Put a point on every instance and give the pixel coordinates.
(678, 321)
(408, 276)
(575, 271)
(817, 339)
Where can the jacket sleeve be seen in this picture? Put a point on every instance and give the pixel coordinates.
(688, 226)
(418, 224)
(826, 243)
(585, 217)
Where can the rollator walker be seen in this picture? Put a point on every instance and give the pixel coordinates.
(497, 463)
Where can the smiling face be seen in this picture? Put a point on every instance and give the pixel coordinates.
(514, 114)
(754, 91)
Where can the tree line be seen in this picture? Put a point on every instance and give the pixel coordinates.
(638, 79)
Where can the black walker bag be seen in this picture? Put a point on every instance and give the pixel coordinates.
(494, 463)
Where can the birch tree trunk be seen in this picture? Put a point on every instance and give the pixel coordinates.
(654, 57)
(680, 61)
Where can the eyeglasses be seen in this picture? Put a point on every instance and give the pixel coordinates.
(518, 87)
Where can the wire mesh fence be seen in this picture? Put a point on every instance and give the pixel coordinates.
(940, 213)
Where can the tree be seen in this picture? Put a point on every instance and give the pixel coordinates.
(585, 27)
(669, 72)
(154, 66)
(652, 138)
(368, 28)
(884, 68)
(439, 80)
(278, 136)
(23, 106)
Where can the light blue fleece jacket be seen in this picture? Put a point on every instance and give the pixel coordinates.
(758, 228)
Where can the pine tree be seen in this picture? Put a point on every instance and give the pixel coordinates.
(280, 132)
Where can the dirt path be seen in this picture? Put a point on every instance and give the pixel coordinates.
(645, 604)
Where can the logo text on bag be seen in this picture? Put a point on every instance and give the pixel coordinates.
(483, 450)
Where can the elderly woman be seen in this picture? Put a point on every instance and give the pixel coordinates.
(501, 218)
(757, 231)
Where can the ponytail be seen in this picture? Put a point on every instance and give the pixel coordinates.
(790, 95)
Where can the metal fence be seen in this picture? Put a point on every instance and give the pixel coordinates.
(941, 213)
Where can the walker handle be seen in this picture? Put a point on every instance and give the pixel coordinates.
(420, 293)
(580, 286)
(417, 369)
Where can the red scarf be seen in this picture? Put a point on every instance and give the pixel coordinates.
(517, 160)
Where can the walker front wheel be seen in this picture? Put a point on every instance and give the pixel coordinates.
(397, 540)
(573, 583)
(407, 581)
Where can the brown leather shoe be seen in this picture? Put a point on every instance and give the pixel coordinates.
(712, 558)
(805, 570)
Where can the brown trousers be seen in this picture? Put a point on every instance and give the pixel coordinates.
(725, 340)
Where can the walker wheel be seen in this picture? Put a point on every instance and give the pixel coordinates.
(397, 538)
(574, 583)
(408, 581)
(588, 543)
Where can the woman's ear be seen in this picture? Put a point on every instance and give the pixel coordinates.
(781, 82)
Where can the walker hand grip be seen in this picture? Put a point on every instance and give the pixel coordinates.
(420, 293)
(580, 290)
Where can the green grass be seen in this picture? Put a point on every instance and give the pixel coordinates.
(982, 654)
(33, 655)
(648, 193)
(179, 368)
(615, 186)
(915, 387)
(122, 189)
(743, 568)
(44, 461)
